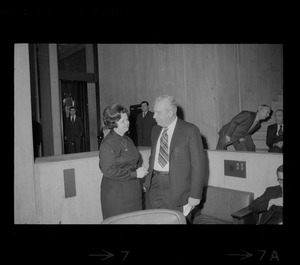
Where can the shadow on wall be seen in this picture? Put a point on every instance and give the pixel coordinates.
(180, 114)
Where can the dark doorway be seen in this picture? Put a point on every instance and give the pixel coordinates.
(135, 110)
(74, 93)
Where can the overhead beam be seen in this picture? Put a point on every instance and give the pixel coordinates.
(69, 50)
(77, 76)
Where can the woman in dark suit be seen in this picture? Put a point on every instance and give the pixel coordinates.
(121, 190)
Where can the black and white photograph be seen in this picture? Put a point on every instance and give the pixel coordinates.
(149, 141)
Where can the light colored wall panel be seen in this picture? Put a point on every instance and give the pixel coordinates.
(260, 170)
(85, 207)
(24, 193)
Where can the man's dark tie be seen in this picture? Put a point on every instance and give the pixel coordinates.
(163, 156)
(280, 132)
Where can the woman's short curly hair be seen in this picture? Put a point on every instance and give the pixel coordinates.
(112, 114)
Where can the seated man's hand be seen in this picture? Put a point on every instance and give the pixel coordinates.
(277, 202)
(280, 144)
(242, 139)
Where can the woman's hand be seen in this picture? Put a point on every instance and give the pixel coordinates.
(141, 172)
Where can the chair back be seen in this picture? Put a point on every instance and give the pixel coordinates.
(222, 202)
(152, 216)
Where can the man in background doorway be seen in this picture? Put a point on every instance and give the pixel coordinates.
(144, 125)
(74, 131)
(239, 130)
(275, 133)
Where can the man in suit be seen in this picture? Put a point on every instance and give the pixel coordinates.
(239, 130)
(74, 131)
(144, 125)
(270, 203)
(275, 133)
(176, 175)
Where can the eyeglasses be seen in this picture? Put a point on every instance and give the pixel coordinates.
(279, 180)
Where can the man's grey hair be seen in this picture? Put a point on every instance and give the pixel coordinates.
(263, 106)
(170, 100)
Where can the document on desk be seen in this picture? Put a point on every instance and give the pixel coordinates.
(186, 209)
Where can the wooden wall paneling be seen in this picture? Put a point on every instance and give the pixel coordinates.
(147, 75)
(261, 74)
(227, 83)
(226, 78)
(117, 74)
(169, 71)
(252, 68)
(132, 73)
(105, 71)
(132, 90)
(200, 90)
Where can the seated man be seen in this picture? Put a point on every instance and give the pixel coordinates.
(275, 133)
(270, 203)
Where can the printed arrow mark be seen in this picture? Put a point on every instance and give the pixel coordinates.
(245, 255)
(106, 256)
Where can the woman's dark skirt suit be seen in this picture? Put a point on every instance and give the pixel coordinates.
(121, 190)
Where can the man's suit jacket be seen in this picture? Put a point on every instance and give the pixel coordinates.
(74, 130)
(272, 138)
(260, 204)
(144, 127)
(186, 162)
(239, 126)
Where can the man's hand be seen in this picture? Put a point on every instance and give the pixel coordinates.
(141, 172)
(227, 138)
(277, 202)
(187, 208)
(279, 144)
(192, 202)
(242, 139)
